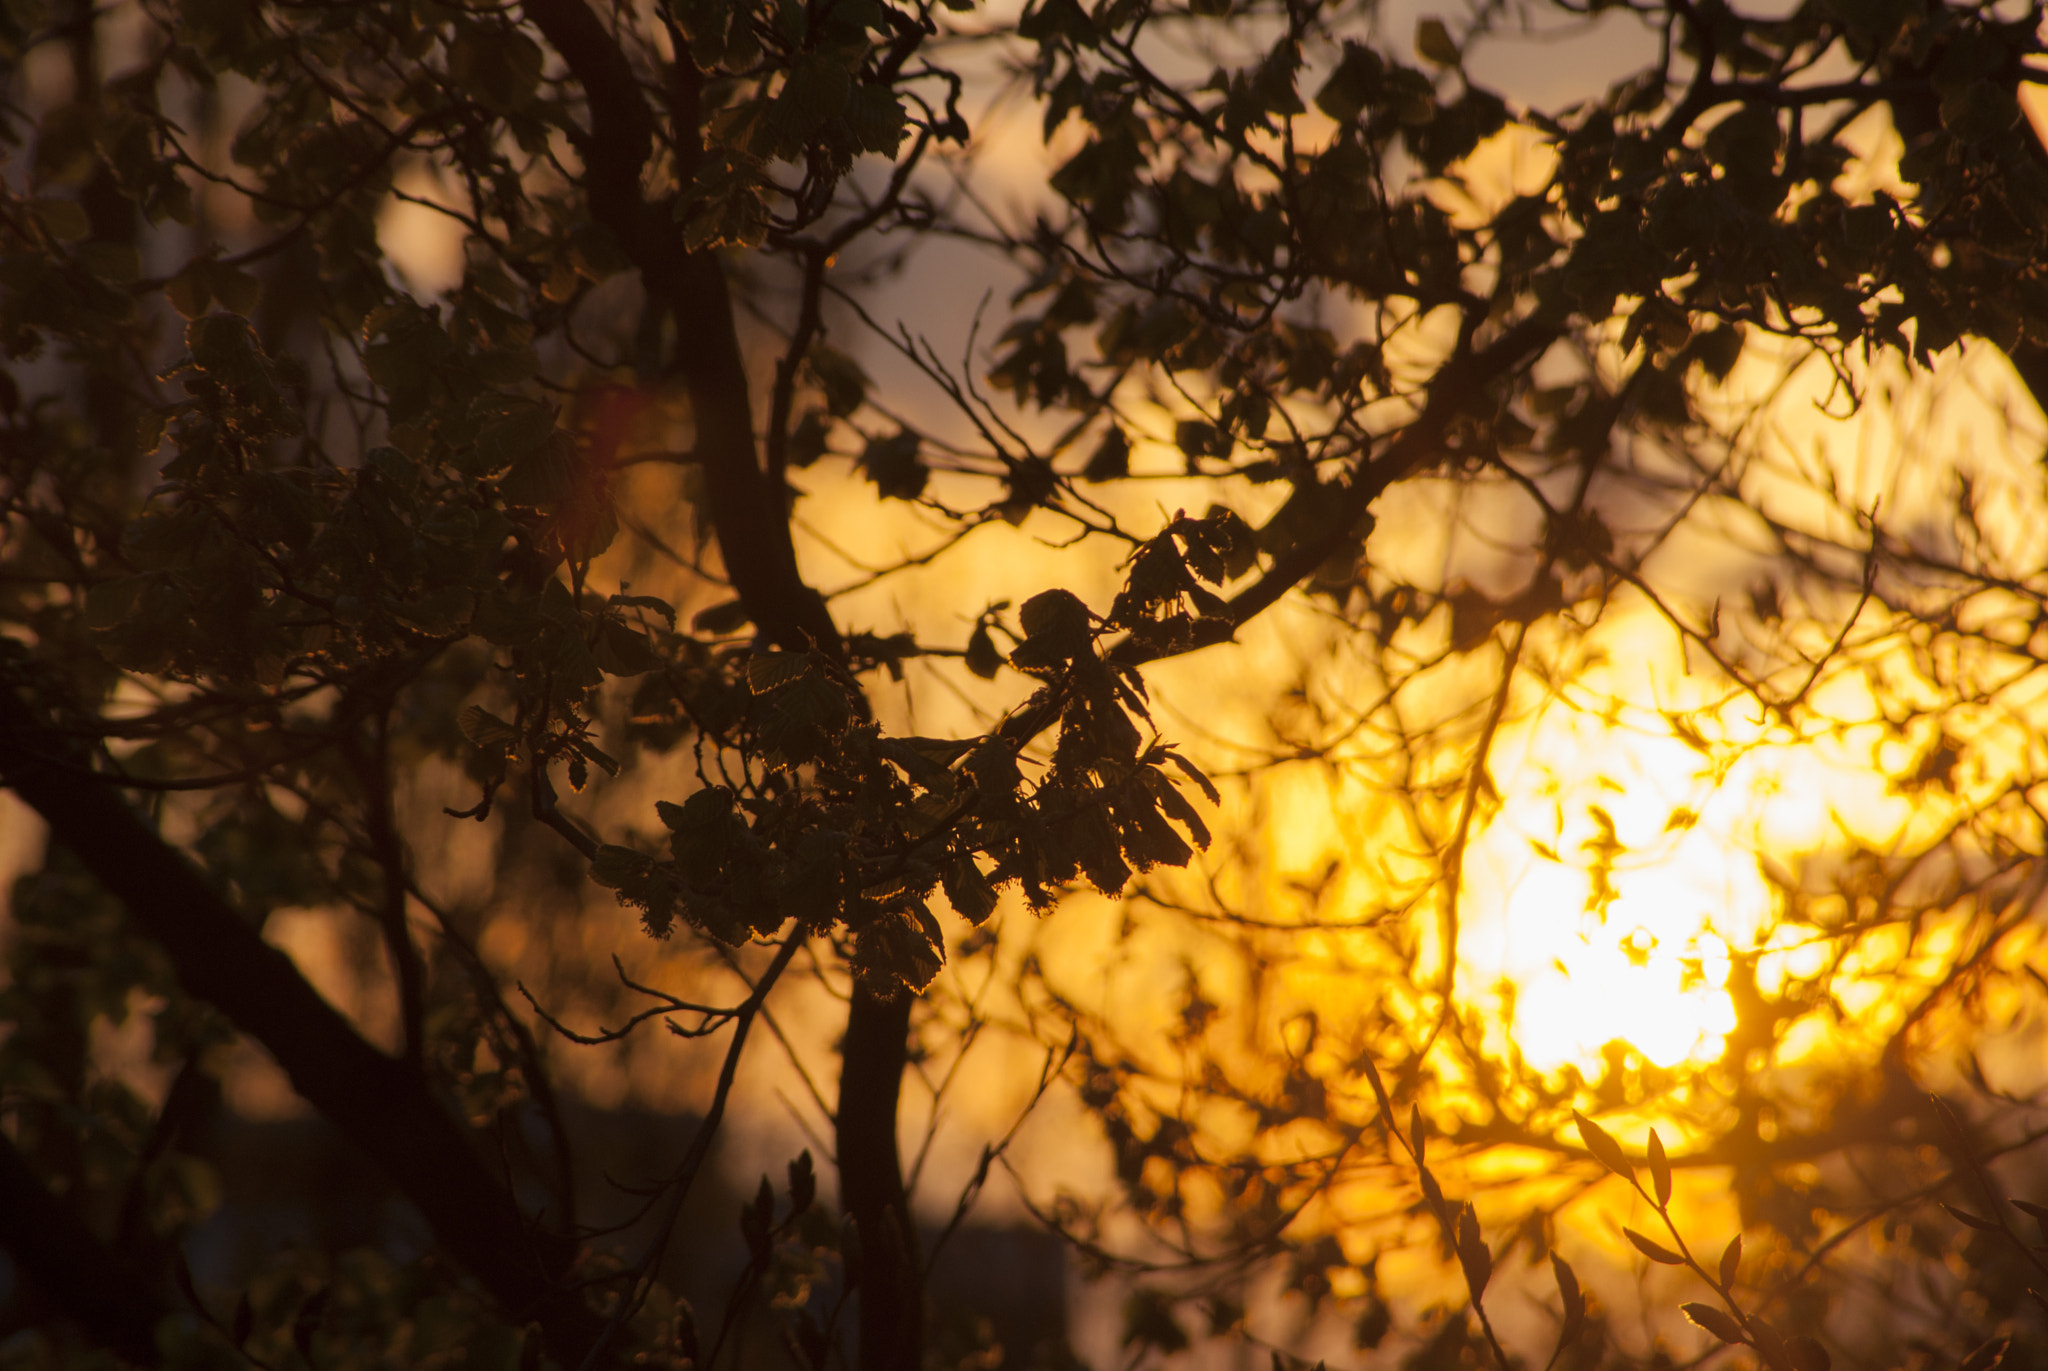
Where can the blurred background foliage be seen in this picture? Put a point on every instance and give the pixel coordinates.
(1252, 682)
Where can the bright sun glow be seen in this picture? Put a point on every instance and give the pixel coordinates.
(1628, 865)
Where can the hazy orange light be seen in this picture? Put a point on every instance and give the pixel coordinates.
(1630, 861)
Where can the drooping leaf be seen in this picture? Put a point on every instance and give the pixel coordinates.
(1602, 1145)
(1718, 1322)
(1652, 1249)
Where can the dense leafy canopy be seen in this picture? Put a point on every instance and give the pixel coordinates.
(313, 567)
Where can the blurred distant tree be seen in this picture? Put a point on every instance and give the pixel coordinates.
(284, 537)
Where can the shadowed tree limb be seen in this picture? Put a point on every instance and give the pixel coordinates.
(748, 515)
(77, 1272)
(376, 1101)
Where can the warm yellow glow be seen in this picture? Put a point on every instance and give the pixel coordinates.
(1632, 859)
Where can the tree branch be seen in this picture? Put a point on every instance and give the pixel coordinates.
(377, 1102)
(80, 1274)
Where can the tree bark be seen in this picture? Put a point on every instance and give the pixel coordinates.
(890, 1271)
(749, 515)
(379, 1104)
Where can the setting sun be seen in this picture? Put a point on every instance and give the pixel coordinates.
(1635, 852)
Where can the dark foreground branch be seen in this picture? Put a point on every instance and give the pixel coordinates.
(377, 1102)
(71, 1267)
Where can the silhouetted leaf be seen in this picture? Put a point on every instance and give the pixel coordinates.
(1604, 1148)
(1655, 1251)
(1721, 1324)
(1731, 1261)
(1473, 1254)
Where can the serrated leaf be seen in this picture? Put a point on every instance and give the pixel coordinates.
(969, 892)
(1652, 1249)
(773, 670)
(486, 729)
(615, 867)
(1188, 768)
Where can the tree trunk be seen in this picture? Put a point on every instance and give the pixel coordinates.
(889, 1270)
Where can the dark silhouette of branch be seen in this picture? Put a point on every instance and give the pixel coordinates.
(379, 1103)
(70, 1265)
